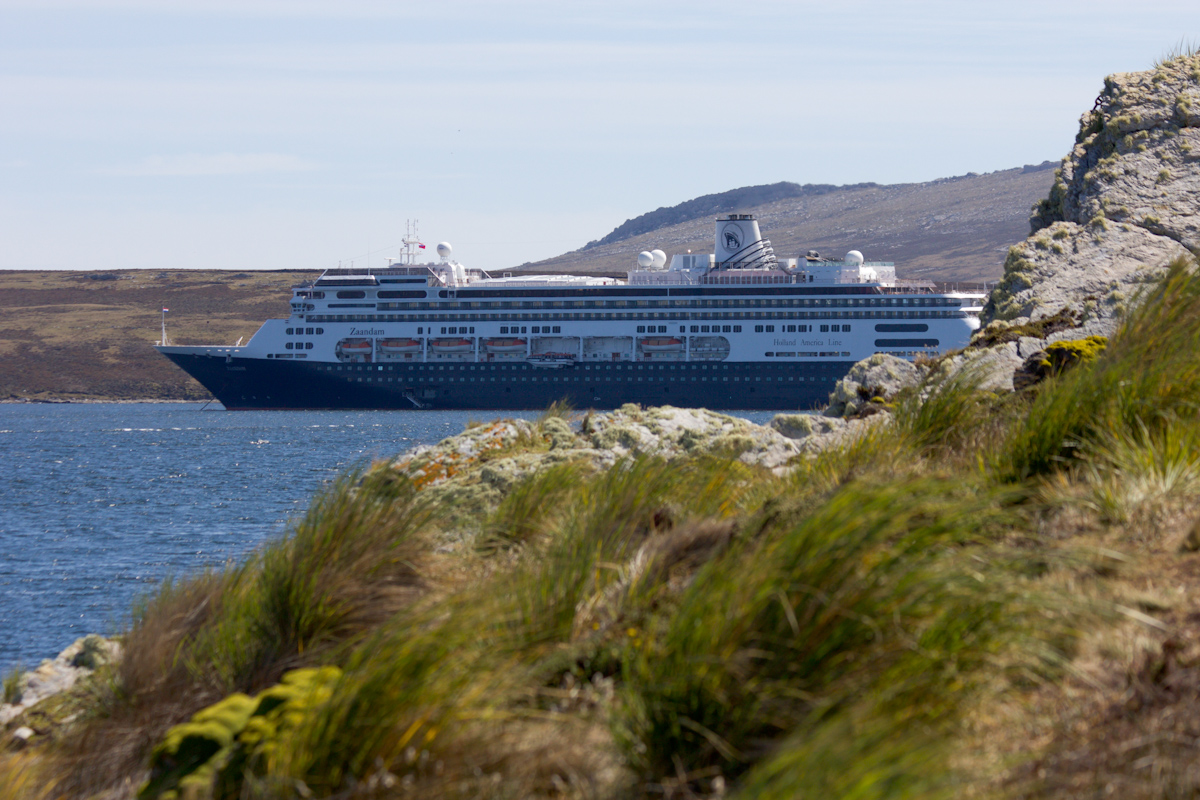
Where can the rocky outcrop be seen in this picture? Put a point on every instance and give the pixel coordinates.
(57, 675)
(1125, 201)
(873, 380)
(474, 470)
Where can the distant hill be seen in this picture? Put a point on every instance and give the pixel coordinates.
(90, 335)
(951, 229)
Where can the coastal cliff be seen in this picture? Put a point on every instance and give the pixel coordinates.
(972, 576)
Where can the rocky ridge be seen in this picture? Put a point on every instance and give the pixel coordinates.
(1125, 201)
(476, 468)
(950, 229)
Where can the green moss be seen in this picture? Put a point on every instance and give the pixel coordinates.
(1000, 333)
(209, 755)
(1065, 354)
(189, 757)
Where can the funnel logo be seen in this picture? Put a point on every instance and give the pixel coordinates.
(731, 236)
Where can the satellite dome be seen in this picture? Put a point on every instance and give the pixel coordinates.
(645, 259)
(444, 249)
(854, 257)
(660, 258)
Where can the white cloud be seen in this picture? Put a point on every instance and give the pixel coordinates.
(197, 164)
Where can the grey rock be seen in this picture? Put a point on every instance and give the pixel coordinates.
(989, 368)
(1098, 274)
(802, 426)
(1028, 345)
(880, 375)
(61, 673)
(1123, 205)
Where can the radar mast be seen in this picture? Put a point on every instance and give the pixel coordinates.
(411, 243)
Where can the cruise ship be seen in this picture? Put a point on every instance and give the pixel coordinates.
(738, 328)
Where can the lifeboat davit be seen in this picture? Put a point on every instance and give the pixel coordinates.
(451, 345)
(664, 344)
(399, 346)
(356, 347)
(505, 345)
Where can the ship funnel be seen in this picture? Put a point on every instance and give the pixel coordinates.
(740, 244)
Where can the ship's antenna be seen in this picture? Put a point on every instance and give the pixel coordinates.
(164, 327)
(411, 241)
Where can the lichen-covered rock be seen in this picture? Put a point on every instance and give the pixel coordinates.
(802, 426)
(1091, 272)
(1056, 358)
(470, 472)
(60, 674)
(990, 368)
(1123, 203)
(879, 376)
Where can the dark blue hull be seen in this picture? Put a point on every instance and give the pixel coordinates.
(245, 383)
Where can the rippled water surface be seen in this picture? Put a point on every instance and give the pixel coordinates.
(102, 501)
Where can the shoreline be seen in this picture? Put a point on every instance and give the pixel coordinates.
(17, 401)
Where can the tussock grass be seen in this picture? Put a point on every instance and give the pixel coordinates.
(1131, 474)
(531, 507)
(1184, 48)
(430, 679)
(23, 777)
(1148, 376)
(346, 566)
(12, 685)
(878, 595)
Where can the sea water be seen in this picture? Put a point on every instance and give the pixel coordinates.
(101, 502)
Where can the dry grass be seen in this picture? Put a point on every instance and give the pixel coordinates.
(68, 336)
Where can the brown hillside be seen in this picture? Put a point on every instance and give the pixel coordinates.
(952, 229)
(89, 335)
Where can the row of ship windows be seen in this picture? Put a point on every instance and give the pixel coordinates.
(643, 316)
(606, 379)
(504, 329)
(877, 302)
(735, 367)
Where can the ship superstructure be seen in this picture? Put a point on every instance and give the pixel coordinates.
(735, 329)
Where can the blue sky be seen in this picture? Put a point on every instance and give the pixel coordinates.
(285, 133)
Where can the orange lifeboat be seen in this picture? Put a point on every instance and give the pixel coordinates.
(356, 347)
(399, 346)
(505, 345)
(451, 345)
(662, 345)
